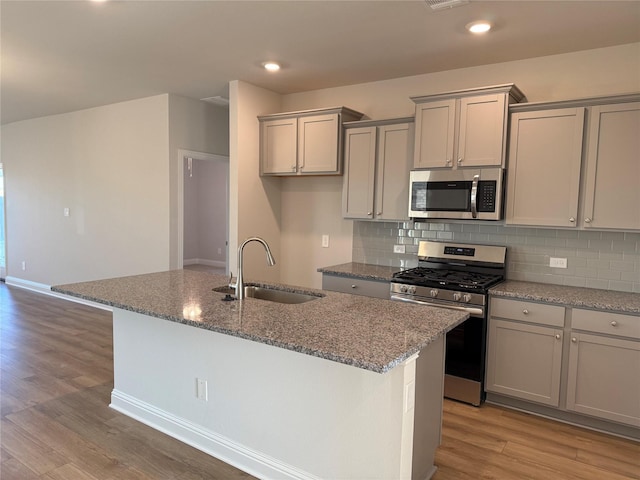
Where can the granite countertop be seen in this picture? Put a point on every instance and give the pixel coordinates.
(607, 300)
(362, 270)
(369, 333)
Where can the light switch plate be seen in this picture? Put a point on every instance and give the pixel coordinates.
(399, 249)
(325, 241)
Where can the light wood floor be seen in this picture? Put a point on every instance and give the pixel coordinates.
(56, 378)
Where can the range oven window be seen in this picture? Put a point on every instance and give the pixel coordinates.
(441, 196)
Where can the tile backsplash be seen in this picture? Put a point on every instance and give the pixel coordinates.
(607, 260)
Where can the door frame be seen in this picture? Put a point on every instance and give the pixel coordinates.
(182, 155)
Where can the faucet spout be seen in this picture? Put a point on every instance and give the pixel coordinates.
(240, 278)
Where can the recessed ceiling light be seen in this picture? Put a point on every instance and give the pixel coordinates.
(271, 66)
(481, 26)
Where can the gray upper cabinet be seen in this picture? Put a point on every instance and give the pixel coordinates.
(378, 158)
(554, 181)
(303, 143)
(612, 187)
(545, 152)
(466, 128)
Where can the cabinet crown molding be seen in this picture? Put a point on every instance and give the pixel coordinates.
(317, 111)
(514, 92)
(377, 123)
(576, 102)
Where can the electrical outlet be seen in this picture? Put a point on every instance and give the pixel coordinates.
(202, 392)
(24, 265)
(555, 262)
(399, 249)
(325, 241)
(65, 212)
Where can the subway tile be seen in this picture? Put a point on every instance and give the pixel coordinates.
(609, 274)
(597, 283)
(611, 256)
(586, 272)
(533, 240)
(622, 266)
(612, 235)
(478, 237)
(487, 229)
(555, 242)
(575, 281)
(577, 243)
(630, 276)
(445, 236)
(436, 227)
(602, 245)
(497, 238)
(624, 246)
(621, 286)
(470, 227)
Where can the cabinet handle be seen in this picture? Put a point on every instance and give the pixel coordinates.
(557, 336)
(572, 220)
(354, 286)
(368, 214)
(293, 168)
(378, 213)
(448, 161)
(614, 324)
(587, 220)
(574, 340)
(525, 311)
(459, 161)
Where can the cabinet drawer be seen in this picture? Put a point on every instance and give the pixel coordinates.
(531, 312)
(605, 322)
(356, 286)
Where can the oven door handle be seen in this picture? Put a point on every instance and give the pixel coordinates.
(474, 196)
(476, 312)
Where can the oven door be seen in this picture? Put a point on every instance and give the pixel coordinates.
(465, 352)
(456, 194)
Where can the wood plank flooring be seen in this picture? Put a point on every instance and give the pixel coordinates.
(56, 375)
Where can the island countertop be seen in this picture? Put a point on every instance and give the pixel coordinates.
(369, 333)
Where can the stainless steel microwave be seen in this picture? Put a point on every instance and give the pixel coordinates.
(467, 194)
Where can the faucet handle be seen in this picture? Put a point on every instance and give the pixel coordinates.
(231, 282)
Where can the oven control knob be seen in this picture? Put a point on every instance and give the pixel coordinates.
(466, 298)
(411, 289)
(457, 296)
(403, 288)
(434, 292)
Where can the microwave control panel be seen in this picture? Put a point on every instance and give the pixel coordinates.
(486, 196)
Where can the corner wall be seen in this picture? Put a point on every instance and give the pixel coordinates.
(109, 166)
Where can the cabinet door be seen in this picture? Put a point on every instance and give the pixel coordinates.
(612, 197)
(482, 132)
(360, 161)
(318, 144)
(435, 125)
(278, 152)
(603, 378)
(545, 152)
(394, 161)
(524, 361)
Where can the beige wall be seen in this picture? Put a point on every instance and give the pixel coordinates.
(311, 207)
(116, 168)
(254, 203)
(109, 166)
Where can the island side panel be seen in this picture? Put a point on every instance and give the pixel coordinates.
(272, 412)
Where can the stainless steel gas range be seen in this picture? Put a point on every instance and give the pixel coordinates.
(453, 275)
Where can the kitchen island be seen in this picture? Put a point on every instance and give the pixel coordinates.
(338, 387)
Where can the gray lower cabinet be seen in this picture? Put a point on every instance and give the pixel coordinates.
(566, 360)
(604, 371)
(356, 286)
(525, 350)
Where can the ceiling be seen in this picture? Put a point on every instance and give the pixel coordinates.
(61, 56)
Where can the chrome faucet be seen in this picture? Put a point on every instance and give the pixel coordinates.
(240, 278)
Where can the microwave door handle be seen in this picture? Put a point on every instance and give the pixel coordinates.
(474, 196)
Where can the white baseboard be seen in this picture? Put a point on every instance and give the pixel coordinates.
(204, 261)
(46, 290)
(250, 461)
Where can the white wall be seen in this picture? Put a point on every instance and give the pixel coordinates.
(311, 207)
(109, 166)
(116, 168)
(254, 208)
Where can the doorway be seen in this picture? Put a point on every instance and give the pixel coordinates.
(205, 212)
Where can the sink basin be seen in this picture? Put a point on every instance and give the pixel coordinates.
(271, 294)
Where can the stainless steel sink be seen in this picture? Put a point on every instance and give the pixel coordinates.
(271, 294)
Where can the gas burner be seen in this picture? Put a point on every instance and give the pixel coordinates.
(451, 278)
